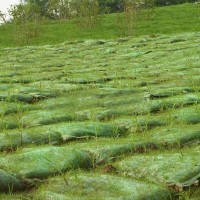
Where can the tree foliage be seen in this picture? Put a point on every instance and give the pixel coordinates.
(117, 5)
(132, 10)
(2, 17)
(111, 6)
(59, 9)
(172, 2)
(85, 12)
(26, 18)
(63, 9)
(42, 6)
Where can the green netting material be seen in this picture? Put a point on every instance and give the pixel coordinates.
(88, 186)
(59, 134)
(44, 162)
(11, 182)
(173, 168)
(12, 140)
(86, 130)
(129, 96)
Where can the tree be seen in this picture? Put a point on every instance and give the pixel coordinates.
(42, 6)
(2, 17)
(111, 6)
(85, 12)
(132, 10)
(26, 18)
(172, 2)
(59, 9)
(51, 9)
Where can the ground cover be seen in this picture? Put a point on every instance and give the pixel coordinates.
(120, 117)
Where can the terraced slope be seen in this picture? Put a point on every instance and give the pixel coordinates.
(95, 119)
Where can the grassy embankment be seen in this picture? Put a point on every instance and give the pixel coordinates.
(167, 20)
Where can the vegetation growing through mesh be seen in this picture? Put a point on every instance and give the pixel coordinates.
(106, 116)
(101, 119)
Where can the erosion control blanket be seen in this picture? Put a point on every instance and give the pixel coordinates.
(9, 182)
(10, 140)
(84, 130)
(132, 103)
(85, 186)
(43, 162)
(12, 182)
(59, 134)
(176, 170)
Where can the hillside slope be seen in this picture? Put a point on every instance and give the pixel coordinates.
(164, 20)
(101, 119)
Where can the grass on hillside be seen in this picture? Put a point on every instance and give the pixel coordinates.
(165, 20)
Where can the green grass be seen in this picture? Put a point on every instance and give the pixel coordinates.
(165, 20)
